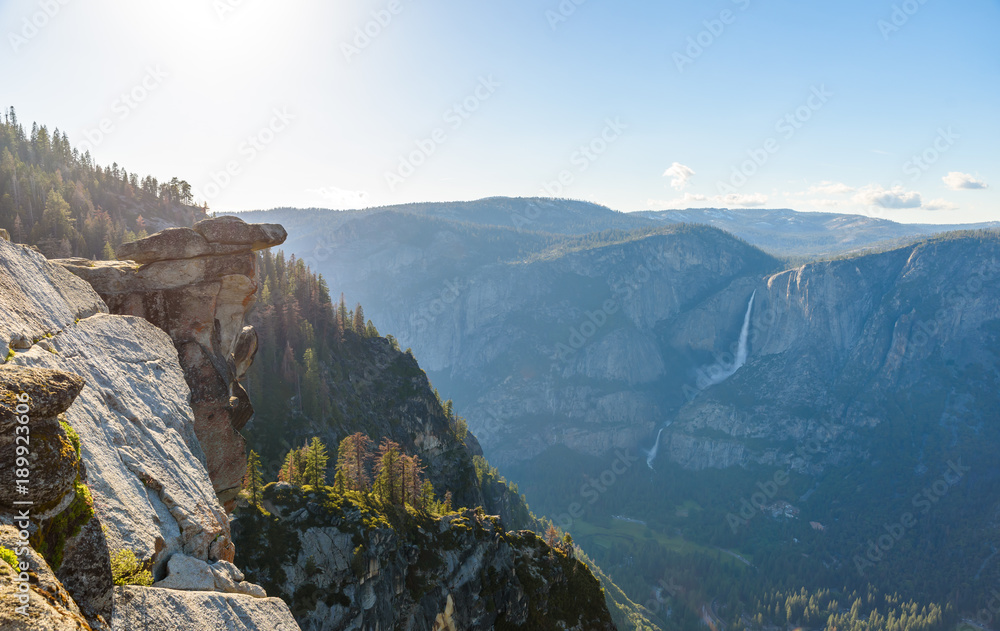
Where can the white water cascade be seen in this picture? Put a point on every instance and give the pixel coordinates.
(741, 347)
(651, 455)
(716, 373)
(719, 371)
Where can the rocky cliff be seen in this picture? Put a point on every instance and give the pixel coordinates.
(375, 389)
(596, 342)
(850, 338)
(547, 343)
(114, 461)
(197, 285)
(343, 562)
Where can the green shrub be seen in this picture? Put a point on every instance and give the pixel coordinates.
(50, 538)
(9, 557)
(73, 436)
(127, 570)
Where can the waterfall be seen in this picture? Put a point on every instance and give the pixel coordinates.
(716, 373)
(719, 371)
(741, 348)
(651, 456)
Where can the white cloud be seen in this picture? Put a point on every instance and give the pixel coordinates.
(896, 197)
(694, 199)
(739, 199)
(338, 198)
(957, 181)
(939, 204)
(679, 175)
(830, 188)
(825, 203)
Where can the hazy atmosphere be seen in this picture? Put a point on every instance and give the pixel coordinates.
(567, 315)
(854, 106)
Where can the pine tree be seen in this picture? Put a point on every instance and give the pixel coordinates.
(339, 482)
(56, 220)
(316, 462)
(353, 457)
(551, 535)
(359, 321)
(427, 496)
(388, 478)
(311, 390)
(292, 471)
(342, 315)
(253, 481)
(370, 330)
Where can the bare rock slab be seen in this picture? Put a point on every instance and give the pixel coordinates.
(173, 610)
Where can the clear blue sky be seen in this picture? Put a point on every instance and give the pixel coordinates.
(674, 129)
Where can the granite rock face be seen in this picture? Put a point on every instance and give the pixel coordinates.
(117, 382)
(342, 566)
(145, 467)
(174, 610)
(833, 344)
(190, 574)
(52, 461)
(47, 606)
(197, 285)
(598, 348)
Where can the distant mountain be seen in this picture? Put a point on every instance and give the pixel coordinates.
(860, 383)
(782, 232)
(807, 234)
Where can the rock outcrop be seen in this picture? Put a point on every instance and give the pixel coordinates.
(116, 462)
(191, 574)
(351, 566)
(32, 597)
(43, 395)
(172, 610)
(197, 284)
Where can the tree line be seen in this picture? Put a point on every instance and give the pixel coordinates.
(53, 196)
(382, 472)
